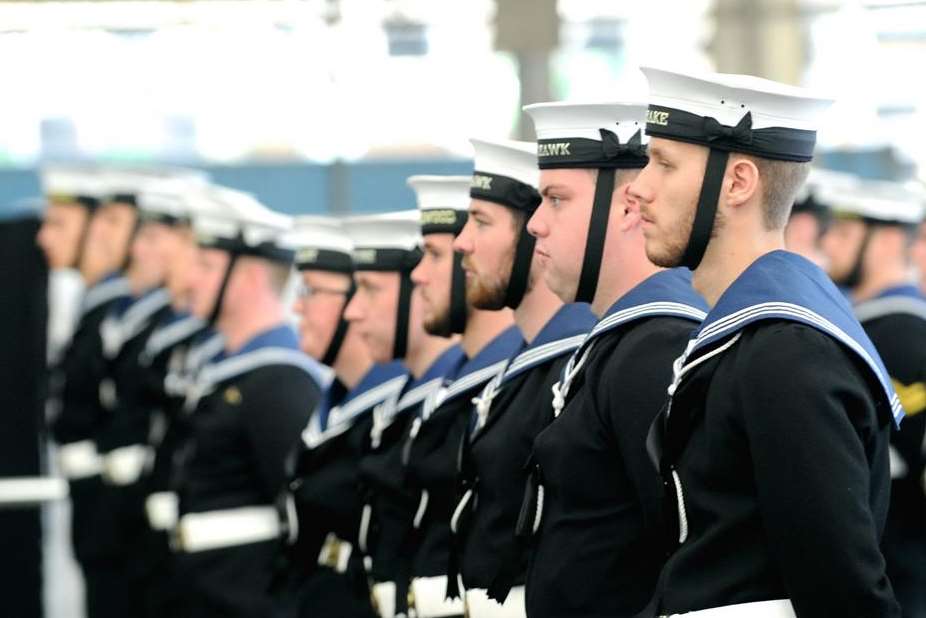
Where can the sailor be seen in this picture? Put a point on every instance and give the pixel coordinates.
(503, 271)
(811, 215)
(868, 247)
(489, 339)
(323, 502)
(100, 251)
(919, 256)
(593, 506)
(246, 410)
(773, 443)
(387, 311)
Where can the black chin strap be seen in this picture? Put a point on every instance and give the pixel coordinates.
(458, 295)
(337, 339)
(597, 230)
(127, 259)
(854, 278)
(520, 268)
(706, 209)
(400, 345)
(220, 297)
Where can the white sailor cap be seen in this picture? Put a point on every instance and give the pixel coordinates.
(168, 200)
(443, 202)
(237, 222)
(320, 243)
(735, 113)
(72, 184)
(386, 242)
(876, 201)
(820, 183)
(590, 135)
(506, 173)
(124, 184)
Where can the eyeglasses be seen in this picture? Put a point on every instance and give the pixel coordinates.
(306, 291)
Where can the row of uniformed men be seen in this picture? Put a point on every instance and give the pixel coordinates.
(528, 393)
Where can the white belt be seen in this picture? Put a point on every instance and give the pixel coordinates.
(31, 490)
(162, 509)
(384, 599)
(124, 465)
(479, 605)
(79, 460)
(759, 609)
(335, 553)
(428, 598)
(227, 528)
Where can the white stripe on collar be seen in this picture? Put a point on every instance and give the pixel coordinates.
(457, 387)
(340, 418)
(735, 320)
(104, 292)
(263, 357)
(889, 305)
(171, 334)
(543, 353)
(118, 330)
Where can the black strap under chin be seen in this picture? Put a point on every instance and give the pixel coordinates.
(400, 345)
(520, 269)
(597, 231)
(458, 295)
(854, 277)
(337, 339)
(220, 297)
(706, 210)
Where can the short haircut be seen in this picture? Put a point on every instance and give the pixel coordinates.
(780, 183)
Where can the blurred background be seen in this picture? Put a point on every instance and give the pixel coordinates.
(328, 105)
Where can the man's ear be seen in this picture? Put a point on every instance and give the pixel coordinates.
(741, 182)
(626, 206)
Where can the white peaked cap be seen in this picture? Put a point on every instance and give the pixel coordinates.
(66, 182)
(517, 160)
(877, 200)
(170, 196)
(822, 182)
(441, 192)
(229, 214)
(318, 232)
(564, 119)
(728, 97)
(393, 230)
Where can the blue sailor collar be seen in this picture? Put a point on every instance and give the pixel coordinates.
(337, 412)
(110, 287)
(488, 362)
(130, 318)
(275, 346)
(178, 327)
(905, 299)
(667, 293)
(785, 286)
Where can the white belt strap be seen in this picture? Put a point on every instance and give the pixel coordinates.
(335, 553)
(479, 605)
(383, 595)
(124, 465)
(429, 598)
(78, 460)
(162, 509)
(31, 490)
(227, 528)
(759, 609)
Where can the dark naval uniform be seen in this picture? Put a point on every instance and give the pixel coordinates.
(594, 500)
(773, 448)
(76, 386)
(895, 321)
(250, 407)
(510, 412)
(389, 504)
(430, 458)
(325, 487)
(123, 439)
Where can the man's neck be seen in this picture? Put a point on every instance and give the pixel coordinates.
(353, 362)
(537, 308)
(614, 282)
(423, 356)
(482, 327)
(259, 317)
(724, 262)
(886, 276)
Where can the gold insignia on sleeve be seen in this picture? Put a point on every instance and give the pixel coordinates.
(232, 395)
(912, 396)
